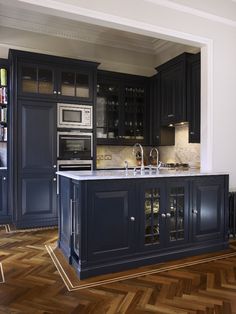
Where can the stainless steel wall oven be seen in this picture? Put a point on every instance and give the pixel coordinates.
(74, 145)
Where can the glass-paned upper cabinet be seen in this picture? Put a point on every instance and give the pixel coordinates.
(134, 105)
(152, 216)
(76, 84)
(37, 79)
(108, 111)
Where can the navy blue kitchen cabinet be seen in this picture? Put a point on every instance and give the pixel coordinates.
(111, 217)
(4, 215)
(121, 109)
(173, 90)
(38, 83)
(194, 97)
(112, 225)
(35, 186)
(55, 78)
(159, 135)
(36, 192)
(208, 215)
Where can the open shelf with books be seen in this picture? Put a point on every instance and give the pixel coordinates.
(3, 99)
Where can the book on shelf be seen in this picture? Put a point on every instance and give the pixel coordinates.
(3, 77)
(3, 134)
(3, 115)
(3, 95)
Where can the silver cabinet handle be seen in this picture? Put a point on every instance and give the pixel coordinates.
(163, 215)
(192, 133)
(194, 211)
(170, 115)
(54, 179)
(168, 215)
(54, 166)
(132, 218)
(54, 92)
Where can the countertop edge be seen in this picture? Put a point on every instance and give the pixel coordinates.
(112, 175)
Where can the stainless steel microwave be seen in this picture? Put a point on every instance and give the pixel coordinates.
(74, 116)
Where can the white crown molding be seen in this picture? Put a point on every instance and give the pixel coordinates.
(92, 37)
(186, 9)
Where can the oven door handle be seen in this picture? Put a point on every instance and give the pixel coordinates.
(75, 166)
(74, 138)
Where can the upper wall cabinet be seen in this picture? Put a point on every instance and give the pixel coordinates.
(159, 135)
(173, 90)
(121, 108)
(62, 79)
(193, 97)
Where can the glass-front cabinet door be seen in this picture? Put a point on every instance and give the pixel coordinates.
(152, 216)
(134, 106)
(177, 212)
(36, 79)
(164, 214)
(75, 84)
(108, 111)
(151, 220)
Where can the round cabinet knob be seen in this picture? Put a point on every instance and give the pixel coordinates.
(163, 215)
(168, 215)
(54, 179)
(54, 92)
(4, 178)
(59, 93)
(54, 166)
(194, 211)
(132, 218)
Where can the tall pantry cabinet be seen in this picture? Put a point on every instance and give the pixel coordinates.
(38, 83)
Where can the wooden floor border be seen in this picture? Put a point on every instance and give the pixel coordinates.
(9, 230)
(2, 280)
(71, 287)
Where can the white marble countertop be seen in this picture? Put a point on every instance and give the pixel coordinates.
(122, 174)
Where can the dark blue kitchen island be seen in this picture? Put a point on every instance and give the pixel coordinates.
(115, 220)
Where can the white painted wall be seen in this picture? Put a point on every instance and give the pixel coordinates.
(143, 16)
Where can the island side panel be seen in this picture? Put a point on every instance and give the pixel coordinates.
(65, 216)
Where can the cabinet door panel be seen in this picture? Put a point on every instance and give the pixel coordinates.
(207, 212)
(110, 228)
(38, 197)
(75, 84)
(37, 80)
(152, 226)
(38, 135)
(177, 211)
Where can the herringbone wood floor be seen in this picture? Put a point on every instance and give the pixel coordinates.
(33, 285)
